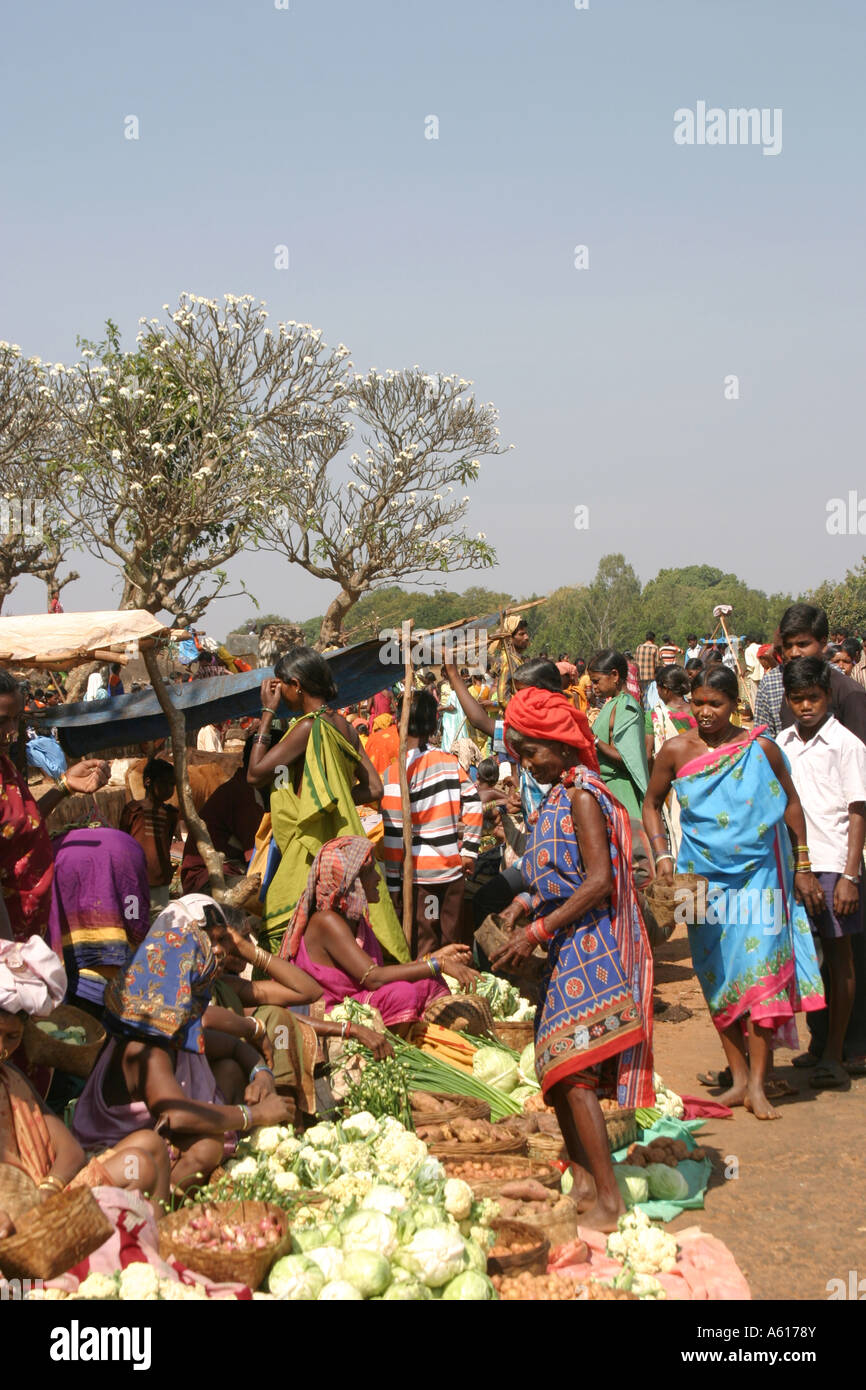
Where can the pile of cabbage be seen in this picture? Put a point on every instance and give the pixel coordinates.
(514, 1076)
(505, 1000)
(392, 1225)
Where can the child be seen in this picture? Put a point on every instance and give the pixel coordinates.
(828, 768)
(153, 824)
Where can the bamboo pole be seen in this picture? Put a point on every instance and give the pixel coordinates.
(194, 823)
(408, 895)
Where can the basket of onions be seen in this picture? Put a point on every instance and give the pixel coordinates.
(229, 1242)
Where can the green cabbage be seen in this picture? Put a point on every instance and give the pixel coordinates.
(476, 1258)
(666, 1184)
(522, 1093)
(306, 1238)
(632, 1183)
(410, 1291)
(434, 1256)
(496, 1068)
(369, 1230)
(339, 1290)
(469, 1285)
(329, 1260)
(297, 1278)
(370, 1273)
(526, 1065)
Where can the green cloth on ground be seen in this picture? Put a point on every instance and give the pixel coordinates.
(627, 780)
(303, 821)
(697, 1173)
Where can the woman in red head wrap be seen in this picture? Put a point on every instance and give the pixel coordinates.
(593, 1033)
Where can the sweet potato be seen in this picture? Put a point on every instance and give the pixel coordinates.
(527, 1190)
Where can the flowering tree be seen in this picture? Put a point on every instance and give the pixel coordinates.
(32, 540)
(162, 474)
(393, 512)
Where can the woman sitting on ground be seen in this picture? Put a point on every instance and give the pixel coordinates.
(32, 1138)
(330, 938)
(160, 1070)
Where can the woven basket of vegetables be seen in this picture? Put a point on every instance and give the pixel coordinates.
(517, 1036)
(464, 1013)
(518, 1247)
(438, 1107)
(488, 1174)
(549, 1147)
(229, 1242)
(509, 1144)
(622, 1128)
(66, 1053)
(55, 1235)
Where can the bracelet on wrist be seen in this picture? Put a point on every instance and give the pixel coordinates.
(52, 1183)
(260, 1066)
(64, 785)
(852, 878)
(660, 857)
(246, 1119)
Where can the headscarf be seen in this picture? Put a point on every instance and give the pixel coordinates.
(508, 629)
(545, 715)
(333, 885)
(382, 721)
(167, 984)
(32, 978)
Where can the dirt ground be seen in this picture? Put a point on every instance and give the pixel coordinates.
(794, 1215)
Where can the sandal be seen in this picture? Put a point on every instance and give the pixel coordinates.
(716, 1078)
(775, 1086)
(830, 1076)
(855, 1066)
(805, 1060)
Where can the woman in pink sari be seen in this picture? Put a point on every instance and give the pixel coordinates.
(330, 937)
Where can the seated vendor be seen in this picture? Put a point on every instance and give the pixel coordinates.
(160, 1070)
(32, 1138)
(330, 938)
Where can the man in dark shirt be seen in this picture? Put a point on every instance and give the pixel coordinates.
(232, 815)
(804, 630)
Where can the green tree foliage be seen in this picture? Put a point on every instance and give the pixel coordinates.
(680, 601)
(845, 603)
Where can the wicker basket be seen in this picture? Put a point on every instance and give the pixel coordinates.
(622, 1128)
(556, 1222)
(543, 1173)
(453, 1106)
(74, 1058)
(513, 1144)
(533, 1261)
(224, 1266)
(54, 1236)
(463, 1012)
(547, 1147)
(677, 901)
(18, 1192)
(514, 1035)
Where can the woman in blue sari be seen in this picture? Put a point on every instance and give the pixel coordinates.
(593, 1035)
(750, 938)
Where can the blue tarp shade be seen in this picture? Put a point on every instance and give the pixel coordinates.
(84, 728)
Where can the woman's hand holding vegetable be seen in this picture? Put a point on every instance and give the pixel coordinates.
(455, 959)
(375, 1042)
(515, 951)
(270, 1110)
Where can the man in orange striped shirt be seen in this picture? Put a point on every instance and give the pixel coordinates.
(447, 817)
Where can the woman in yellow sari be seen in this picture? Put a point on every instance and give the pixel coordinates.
(319, 775)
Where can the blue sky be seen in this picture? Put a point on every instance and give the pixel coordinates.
(305, 126)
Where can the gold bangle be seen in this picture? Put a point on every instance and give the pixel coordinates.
(53, 1183)
(64, 785)
(367, 972)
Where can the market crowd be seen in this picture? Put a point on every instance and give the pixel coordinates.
(547, 791)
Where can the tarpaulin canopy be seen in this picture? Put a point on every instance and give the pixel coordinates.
(57, 641)
(359, 672)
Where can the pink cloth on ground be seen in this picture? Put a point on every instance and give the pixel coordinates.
(400, 1002)
(97, 1125)
(705, 1267)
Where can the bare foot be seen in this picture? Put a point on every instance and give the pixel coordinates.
(757, 1104)
(582, 1188)
(734, 1096)
(603, 1216)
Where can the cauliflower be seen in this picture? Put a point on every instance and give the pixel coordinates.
(458, 1198)
(386, 1199)
(363, 1125)
(322, 1136)
(173, 1291)
(644, 1248)
(349, 1188)
(139, 1281)
(243, 1168)
(354, 1158)
(267, 1140)
(287, 1182)
(99, 1286)
(434, 1255)
(400, 1150)
(288, 1149)
(667, 1101)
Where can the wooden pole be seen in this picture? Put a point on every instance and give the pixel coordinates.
(405, 803)
(194, 823)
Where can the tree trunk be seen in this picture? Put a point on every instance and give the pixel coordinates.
(331, 632)
(77, 682)
(194, 824)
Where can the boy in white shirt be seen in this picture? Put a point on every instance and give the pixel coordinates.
(828, 768)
